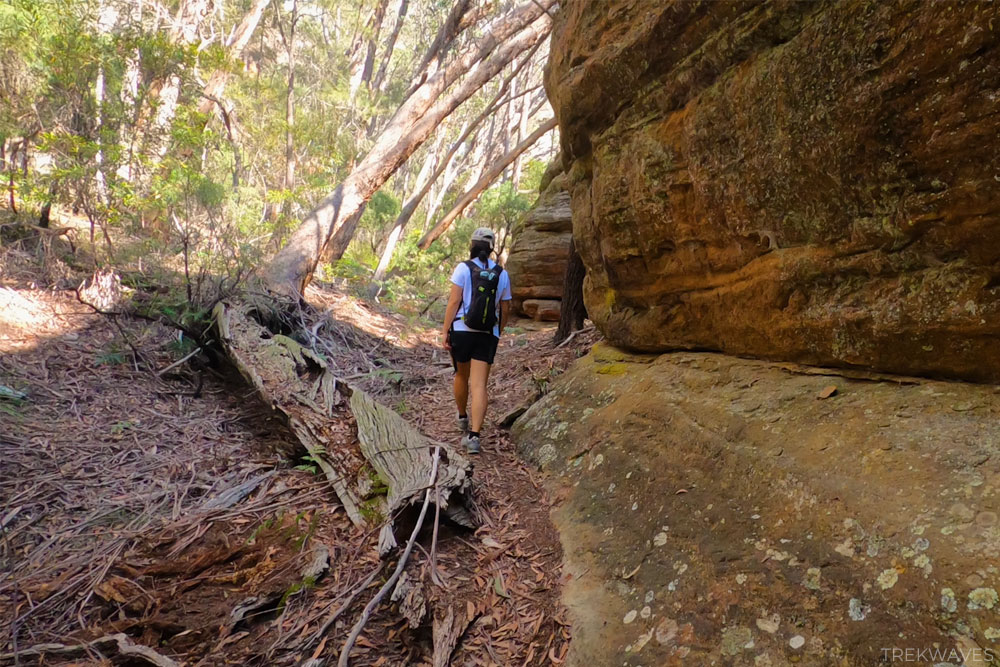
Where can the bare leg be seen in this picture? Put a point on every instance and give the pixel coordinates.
(479, 373)
(461, 386)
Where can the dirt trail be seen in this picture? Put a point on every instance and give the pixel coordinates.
(163, 505)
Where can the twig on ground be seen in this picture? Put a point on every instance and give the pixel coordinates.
(435, 575)
(125, 647)
(570, 337)
(342, 608)
(178, 362)
(366, 614)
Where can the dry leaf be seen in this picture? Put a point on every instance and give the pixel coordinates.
(827, 392)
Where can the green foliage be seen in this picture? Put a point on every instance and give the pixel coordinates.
(500, 207)
(111, 356)
(119, 427)
(531, 176)
(189, 203)
(311, 464)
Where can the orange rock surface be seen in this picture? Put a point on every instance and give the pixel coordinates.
(808, 181)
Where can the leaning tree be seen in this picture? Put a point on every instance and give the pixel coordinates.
(275, 339)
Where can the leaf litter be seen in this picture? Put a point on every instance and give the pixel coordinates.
(168, 508)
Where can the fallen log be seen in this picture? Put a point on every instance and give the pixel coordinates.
(377, 468)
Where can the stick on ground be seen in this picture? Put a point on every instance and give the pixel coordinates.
(360, 625)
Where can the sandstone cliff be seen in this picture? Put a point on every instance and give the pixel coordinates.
(810, 181)
(537, 261)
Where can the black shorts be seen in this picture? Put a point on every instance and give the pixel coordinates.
(469, 345)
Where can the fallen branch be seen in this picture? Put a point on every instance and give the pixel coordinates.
(366, 614)
(331, 619)
(178, 362)
(572, 335)
(124, 645)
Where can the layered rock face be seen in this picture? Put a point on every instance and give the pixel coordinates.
(537, 261)
(810, 181)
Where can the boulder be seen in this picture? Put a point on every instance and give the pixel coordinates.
(713, 509)
(808, 181)
(537, 260)
(544, 310)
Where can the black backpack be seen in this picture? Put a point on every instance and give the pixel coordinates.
(481, 314)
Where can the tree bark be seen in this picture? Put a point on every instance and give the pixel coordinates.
(380, 76)
(491, 174)
(289, 179)
(235, 47)
(504, 39)
(423, 187)
(377, 20)
(572, 311)
(408, 208)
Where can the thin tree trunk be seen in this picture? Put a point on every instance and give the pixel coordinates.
(485, 149)
(289, 180)
(450, 174)
(491, 174)
(363, 62)
(408, 208)
(414, 121)
(461, 16)
(235, 47)
(131, 97)
(7, 160)
(107, 17)
(377, 21)
(572, 311)
(424, 187)
(380, 76)
(522, 131)
(185, 31)
(355, 56)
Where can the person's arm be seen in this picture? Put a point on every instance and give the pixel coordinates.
(504, 314)
(505, 298)
(454, 300)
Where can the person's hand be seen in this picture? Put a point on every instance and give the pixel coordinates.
(445, 342)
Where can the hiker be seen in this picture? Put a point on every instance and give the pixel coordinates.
(477, 312)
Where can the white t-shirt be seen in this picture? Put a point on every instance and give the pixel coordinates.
(463, 278)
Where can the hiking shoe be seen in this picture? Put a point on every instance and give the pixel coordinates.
(471, 443)
(463, 424)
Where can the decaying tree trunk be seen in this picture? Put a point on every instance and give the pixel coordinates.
(376, 470)
(491, 174)
(572, 311)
